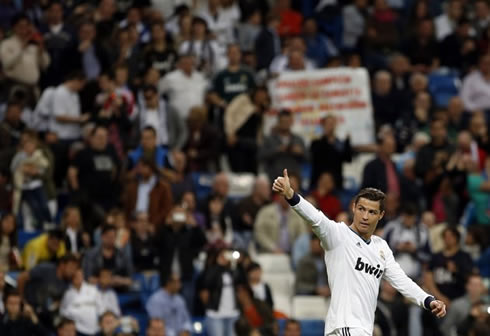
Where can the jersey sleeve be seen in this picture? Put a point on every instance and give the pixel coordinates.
(327, 230)
(394, 274)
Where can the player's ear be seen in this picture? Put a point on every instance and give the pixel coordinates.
(381, 215)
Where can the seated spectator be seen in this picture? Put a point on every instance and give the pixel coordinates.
(261, 290)
(324, 196)
(188, 202)
(392, 313)
(291, 20)
(156, 327)
(254, 313)
(48, 246)
(422, 49)
(311, 278)
(268, 43)
(185, 87)
(66, 327)
(218, 295)
(107, 255)
(475, 92)
(354, 17)
(159, 54)
(169, 306)
(11, 127)
(385, 110)
(28, 167)
(107, 294)
(381, 31)
(292, 328)
(248, 30)
(219, 229)
(447, 21)
(277, 226)
(408, 240)
(23, 55)
(148, 148)
(111, 325)
(169, 125)
(246, 212)
(202, 144)
(179, 243)
(19, 318)
(9, 253)
(319, 47)
(176, 173)
(83, 304)
(116, 218)
(282, 148)
(461, 307)
(76, 239)
(143, 243)
(297, 47)
(459, 49)
(147, 193)
(44, 285)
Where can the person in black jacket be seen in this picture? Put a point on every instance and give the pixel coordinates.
(179, 242)
(19, 318)
(268, 43)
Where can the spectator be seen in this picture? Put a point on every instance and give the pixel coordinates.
(168, 305)
(218, 295)
(43, 286)
(456, 117)
(23, 55)
(148, 148)
(28, 166)
(11, 127)
(188, 201)
(67, 116)
(220, 20)
(107, 294)
(268, 43)
(292, 328)
(461, 307)
(311, 276)
(19, 318)
(143, 244)
(324, 196)
(169, 125)
(232, 81)
(475, 91)
(76, 239)
(247, 210)
(83, 304)
(290, 23)
(261, 290)
(9, 253)
(156, 327)
(409, 241)
(459, 50)
(104, 17)
(319, 48)
(66, 327)
(482, 17)
(184, 26)
(392, 313)
(354, 18)
(46, 247)
(447, 269)
(385, 111)
(58, 38)
(134, 18)
(88, 54)
(158, 53)
(248, 31)
(180, 241)
(292, 58)
(254, 313)
(446, 22)
(478, 189)
(94, 172)
(206, 52)
(107, 255)
(149, 194)
(282, 148)
(278, 226)
(185, 87)
(422, 49)
(202, 143)
(328, 153)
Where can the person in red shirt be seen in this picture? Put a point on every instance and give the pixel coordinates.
(327, 202)
(290, 20)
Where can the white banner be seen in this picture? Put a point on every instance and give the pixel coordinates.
(311, 95)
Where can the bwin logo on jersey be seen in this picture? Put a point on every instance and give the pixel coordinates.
(362, 266)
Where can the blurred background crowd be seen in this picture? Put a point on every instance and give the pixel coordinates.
(135, 193)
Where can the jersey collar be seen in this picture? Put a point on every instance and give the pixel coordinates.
(364, 240)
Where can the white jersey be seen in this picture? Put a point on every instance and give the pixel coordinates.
(355, 269)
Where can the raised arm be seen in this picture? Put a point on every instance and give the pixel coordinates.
(327, 230)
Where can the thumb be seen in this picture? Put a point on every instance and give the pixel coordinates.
(285, 173)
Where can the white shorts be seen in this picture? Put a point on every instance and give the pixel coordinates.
(349, 332)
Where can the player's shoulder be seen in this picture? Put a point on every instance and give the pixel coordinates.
(377, 240)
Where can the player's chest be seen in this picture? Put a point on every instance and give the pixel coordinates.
(366, 260)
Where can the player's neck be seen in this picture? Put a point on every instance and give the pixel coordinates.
(365, 236)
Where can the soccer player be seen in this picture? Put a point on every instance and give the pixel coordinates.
(356, 262)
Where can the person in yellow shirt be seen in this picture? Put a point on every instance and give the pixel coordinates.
(48, 246)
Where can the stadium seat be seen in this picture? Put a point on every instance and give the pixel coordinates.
(280, 284)
(24, 236)
(443, 86)
(312, 327)
(282, 303)
(274, 263)
(202, 184)
(241, 185)
(309, 307)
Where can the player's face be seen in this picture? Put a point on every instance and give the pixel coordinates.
(366, 216)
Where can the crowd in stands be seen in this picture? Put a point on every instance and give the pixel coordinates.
(114, 112)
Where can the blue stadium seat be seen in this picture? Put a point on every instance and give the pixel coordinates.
(443, 86)
(202, 184)
(23, 237)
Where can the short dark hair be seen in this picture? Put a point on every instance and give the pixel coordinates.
(151, 129)
(107, 228)
(11, 292)
(285, 113)
(69, 257)
(454, 231)
(19, 17)
(372, 194)
(56, 233)
(150, 87)
(253, 266)
(64, 321)
(75, 75)
(409, 209)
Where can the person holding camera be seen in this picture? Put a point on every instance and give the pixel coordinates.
(19, 317)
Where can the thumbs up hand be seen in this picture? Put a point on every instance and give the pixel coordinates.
(281, 185)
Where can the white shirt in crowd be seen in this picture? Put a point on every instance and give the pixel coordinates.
(227, 305)
(65, 103)
(355, 270)
(184, 92)
(110, 302)
(475, 92)
(83, 306)
(144, 190)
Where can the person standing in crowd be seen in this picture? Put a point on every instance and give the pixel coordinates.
(19, 318)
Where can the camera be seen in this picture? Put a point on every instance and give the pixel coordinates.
(179, 217)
